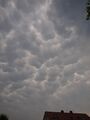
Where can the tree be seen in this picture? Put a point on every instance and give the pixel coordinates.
(88, 10)
(3, 117)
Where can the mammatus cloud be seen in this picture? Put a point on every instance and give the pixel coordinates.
(44, 57)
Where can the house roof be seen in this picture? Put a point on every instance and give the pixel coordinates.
(65, 116)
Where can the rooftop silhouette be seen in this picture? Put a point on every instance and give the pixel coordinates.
(65, 116)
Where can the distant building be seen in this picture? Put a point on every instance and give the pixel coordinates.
(65, 116)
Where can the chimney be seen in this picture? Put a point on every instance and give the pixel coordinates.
(62, 111)
(70, 112)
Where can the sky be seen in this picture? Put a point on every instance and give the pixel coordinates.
(44, 57)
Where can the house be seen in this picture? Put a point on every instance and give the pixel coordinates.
(65, 116)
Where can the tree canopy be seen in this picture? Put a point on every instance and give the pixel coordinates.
(88, 10)
(3, 117)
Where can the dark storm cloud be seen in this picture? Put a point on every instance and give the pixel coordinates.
(44, 57)
(67, 14)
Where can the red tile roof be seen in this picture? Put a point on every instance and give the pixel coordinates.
(65, 116)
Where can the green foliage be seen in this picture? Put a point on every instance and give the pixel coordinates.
(3, 117)
(88, 10)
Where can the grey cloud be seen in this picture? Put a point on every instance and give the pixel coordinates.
(41, 75)
(46, 29)
(3, 3)
(15, 17)
(83, 91)
(44, 57)
(3, 25)
(67, 9)
(69, 13)
(28, 5)
(72, 90)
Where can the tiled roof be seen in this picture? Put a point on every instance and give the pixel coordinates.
(65, 116)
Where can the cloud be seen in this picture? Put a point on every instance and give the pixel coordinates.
(44, 57)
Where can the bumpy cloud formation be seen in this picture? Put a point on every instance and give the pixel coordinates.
(44, 57)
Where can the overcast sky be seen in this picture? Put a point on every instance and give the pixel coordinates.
(44, 57)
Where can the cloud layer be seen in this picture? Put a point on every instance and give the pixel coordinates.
(44, 57)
